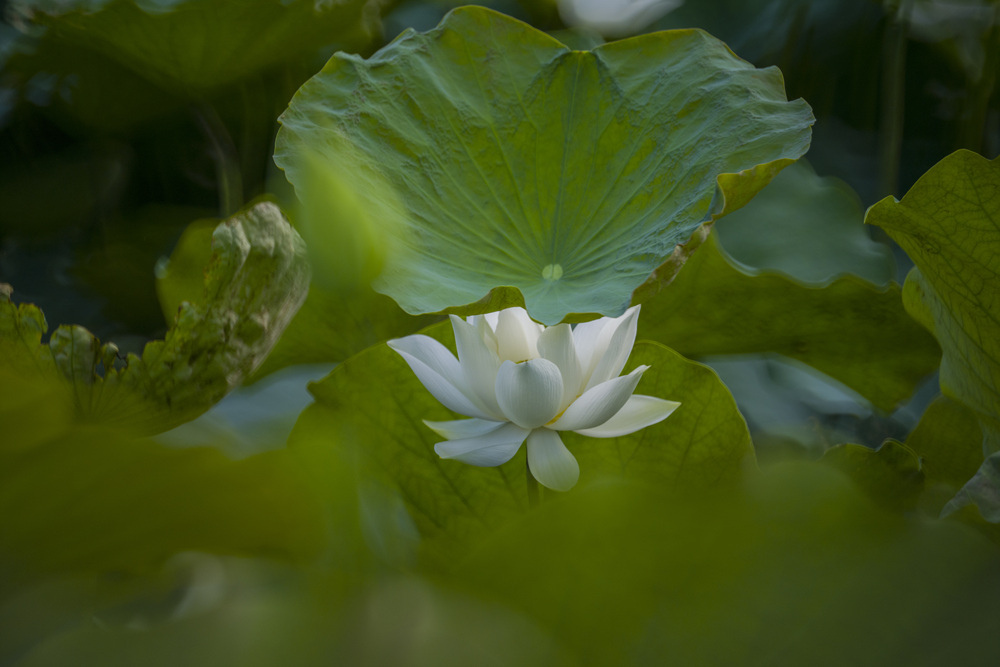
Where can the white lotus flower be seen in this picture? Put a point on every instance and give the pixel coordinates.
(519, 380)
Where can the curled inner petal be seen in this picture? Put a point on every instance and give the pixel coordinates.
(617, 349)
(529, 393)
(479, 365)
(516, 335)
(556, 344)
(599, 404)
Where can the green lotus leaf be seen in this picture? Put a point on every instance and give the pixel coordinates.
(200, 44)
(368, 418)
(704, 443)
(807, 227)
(255, 282)
(851, 330)
(568, 175)
(949, 224)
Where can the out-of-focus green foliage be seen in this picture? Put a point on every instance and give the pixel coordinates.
(851, 330)
(178, 43)
(807, 227)
(891, 474)
(982, 492)
(351, 236)
(561, 173)
(64, 506)
(264, 616)
(948, 441)
(790, 568)
(616, 573)
(256, 280)
(84, 180)
(949, 224)
(331, 326)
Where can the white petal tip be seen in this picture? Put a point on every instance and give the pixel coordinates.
(550, 462)
(638, 413)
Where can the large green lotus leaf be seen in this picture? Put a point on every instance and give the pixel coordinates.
(91, 499)
(369, 413)
(851, 330)
(195, 45)
(568, 175)
(949, 224)
(789, 568)
(255, 282)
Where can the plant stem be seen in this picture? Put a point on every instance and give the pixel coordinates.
(229, 177)
(974, 131)
(532, 486)
(893, 92)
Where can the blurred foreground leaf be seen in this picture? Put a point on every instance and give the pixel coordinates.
(890, 474)
(349, 217)
(949, 442)
(368, 421)
(331, 326)
(568, 175)
(94, 500)
(194, 45)
(268, 617)
(949, 224)
(254, 283)
(33, 407)
(851, 330)
(793, 568)
(807, 227)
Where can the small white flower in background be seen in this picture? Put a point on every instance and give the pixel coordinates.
(519, 380)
